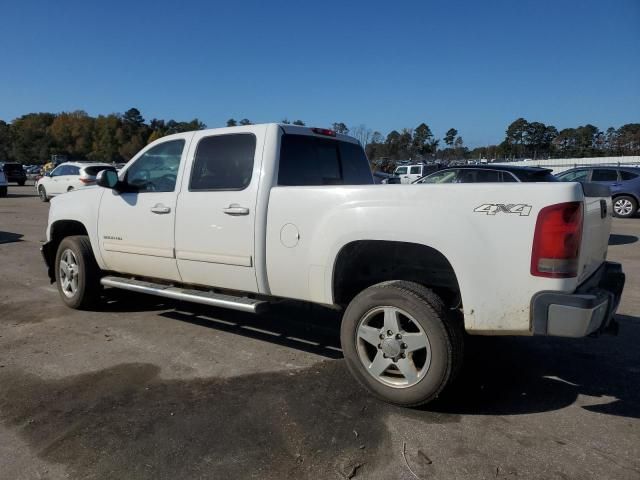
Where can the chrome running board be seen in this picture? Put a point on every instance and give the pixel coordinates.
(244, 304)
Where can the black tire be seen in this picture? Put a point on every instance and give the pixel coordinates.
(445, 336)
(623, 201)
(69, 189)
(42, 193)
(3, 191)
(22, 182)
(87, 292)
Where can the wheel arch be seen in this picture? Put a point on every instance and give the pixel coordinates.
(363, 263)
(59, 230)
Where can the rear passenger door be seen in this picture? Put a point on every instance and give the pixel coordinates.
(216, 210)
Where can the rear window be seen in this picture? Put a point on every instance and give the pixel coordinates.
(624, 175)
(93, 171)
(307, 161)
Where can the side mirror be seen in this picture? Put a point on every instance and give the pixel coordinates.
(107, 179)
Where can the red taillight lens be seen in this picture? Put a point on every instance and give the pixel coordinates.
(324, 131)
(556, 242)
(86, 181)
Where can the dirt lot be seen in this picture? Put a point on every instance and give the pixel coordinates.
(153, 389)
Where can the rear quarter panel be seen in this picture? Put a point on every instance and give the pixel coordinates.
(490, 254)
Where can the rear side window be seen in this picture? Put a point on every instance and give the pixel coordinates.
(307, 161)
(604, 175)
(223, 162)
(624, 175)
(414, 171)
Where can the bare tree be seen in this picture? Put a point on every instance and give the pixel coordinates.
(362, 133)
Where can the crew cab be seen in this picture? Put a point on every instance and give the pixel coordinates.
(239, 217)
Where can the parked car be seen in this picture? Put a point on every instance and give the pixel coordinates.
(485, 174)
(411, 173)
(265, 212)
(4, 185)
(14, 173)
(69, 176)
(623, 181)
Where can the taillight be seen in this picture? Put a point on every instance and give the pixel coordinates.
(556, 242)
(324, 131)
(86, 181)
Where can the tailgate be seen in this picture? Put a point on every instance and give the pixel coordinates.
(596, 229)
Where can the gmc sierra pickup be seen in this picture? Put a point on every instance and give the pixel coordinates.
(237, 217)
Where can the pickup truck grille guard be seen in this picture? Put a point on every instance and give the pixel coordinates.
(588, 311)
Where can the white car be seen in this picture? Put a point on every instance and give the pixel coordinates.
(4, 185)
(242, 216)
(411, 173)
(69, 176)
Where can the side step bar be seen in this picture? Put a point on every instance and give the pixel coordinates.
(243, 304)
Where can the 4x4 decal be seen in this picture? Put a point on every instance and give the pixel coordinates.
(492, 208)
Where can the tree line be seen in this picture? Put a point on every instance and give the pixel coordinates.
(523, 139)
(35, 137)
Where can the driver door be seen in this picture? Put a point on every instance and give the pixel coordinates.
(136, 226)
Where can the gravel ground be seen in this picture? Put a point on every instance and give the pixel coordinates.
(147, 388)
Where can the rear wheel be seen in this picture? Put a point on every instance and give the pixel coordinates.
(42, 193)
(77, 273)
(22, 182)
(399, 342)
(624, 206)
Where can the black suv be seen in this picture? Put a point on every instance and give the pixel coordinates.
(14, 173)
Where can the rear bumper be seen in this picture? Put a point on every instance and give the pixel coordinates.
(589, 310)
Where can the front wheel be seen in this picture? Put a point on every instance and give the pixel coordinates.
(625, 206)
(400, 343)
(77, 273)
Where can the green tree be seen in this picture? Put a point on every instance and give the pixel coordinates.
(299, 122)
(231, 123)
(72, 134)
(5, 141)
(245, 121)
(421, 144)
(31, 141)
(105, 139)
(450, 137)
(340, 127)
(516, 134)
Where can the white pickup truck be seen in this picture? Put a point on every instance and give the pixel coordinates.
(238, 217)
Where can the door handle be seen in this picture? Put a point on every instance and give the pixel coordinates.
(159, 208)
(236, 210)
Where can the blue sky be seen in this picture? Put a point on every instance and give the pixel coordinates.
(472, 65)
